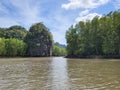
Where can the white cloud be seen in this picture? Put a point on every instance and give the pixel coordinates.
(87, 4)
(29, 12)
(85, 15)
(23, 11)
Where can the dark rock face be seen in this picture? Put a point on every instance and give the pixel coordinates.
(60, 45)
(39, 41)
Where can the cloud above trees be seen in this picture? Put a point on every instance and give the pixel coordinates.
(86, 4)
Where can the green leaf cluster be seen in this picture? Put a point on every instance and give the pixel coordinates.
(58, 51)
(16, 41)
(12, 47)
(15, 31)
(99, 36)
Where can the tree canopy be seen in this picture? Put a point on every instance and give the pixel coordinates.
(99, 36)
(15, 31)
(16, 41)
(58, 51)
(12, 47)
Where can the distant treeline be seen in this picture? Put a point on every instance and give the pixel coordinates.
(97, 37)
(17, 41)
(12, 41)
(58, 51)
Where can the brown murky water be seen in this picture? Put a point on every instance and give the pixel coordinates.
(57, 73)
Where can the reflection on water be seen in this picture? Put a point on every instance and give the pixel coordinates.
(58, 73)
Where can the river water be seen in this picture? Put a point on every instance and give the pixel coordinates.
(58, 73)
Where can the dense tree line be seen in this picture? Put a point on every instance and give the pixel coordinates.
(15, 31)
(17, 41)
(12, 41)
(60, 45)
(58, 51)
(99, 36)
(12, 47)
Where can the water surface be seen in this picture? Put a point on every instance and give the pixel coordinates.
(58, 73)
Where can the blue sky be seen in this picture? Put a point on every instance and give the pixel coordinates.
(57, 15)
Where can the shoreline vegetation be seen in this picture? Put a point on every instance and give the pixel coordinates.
(96, 38)
(16, 41)
(95, 57)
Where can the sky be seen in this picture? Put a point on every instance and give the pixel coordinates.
(56, 15)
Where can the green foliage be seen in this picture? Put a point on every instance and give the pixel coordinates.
(16, 41)
(100, 36)
(12, 47)
(58, 51)
(72, 36)
(17, 32)
(2, 47)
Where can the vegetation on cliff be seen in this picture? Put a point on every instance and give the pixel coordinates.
(16, 41)
(39, 40)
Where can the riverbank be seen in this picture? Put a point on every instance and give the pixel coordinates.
(70, 56)
(94, 56)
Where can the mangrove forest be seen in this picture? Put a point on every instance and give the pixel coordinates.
(97, 37)
(38, 41)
